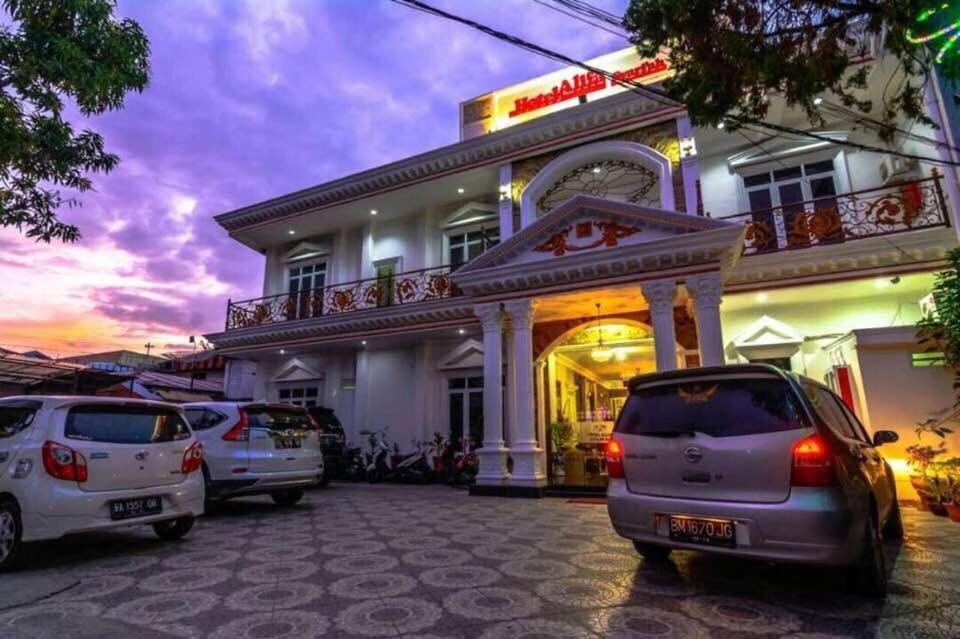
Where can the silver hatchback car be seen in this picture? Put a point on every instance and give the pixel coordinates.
(254, 448)
(751, 461)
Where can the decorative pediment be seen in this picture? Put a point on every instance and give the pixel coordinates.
(306, 251)
(296, 371)
(584, 224)
(768, 338)
(589, 239)
(466, 355)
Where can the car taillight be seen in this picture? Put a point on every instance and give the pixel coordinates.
(192, 459)
(240, 432)
(62, 462)
(812, 464)
(614, 459)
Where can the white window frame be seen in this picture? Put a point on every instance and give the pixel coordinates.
(841, 176)
(316, 385)
(300, 264)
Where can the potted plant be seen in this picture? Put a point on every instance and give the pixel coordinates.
(950, 471)
(561, 439)
(926, 483)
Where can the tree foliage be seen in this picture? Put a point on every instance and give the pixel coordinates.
(730, 55)
(52, 50)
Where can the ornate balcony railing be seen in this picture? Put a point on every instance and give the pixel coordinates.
(918, 204)
(399, 289)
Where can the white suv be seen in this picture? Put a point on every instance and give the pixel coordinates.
(253, 448)
(77, 464)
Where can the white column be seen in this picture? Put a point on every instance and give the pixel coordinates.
(493, 454)
(660, 295)
(541, 369)
(506, 201)
(529, 460)
(510, 410)
(706, 291)
(943, 135)
(689, 164)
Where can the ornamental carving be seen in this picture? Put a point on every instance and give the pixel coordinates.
(610, 234)
(609, 179)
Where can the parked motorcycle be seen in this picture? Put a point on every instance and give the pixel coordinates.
(380, 456)
(354, 466)
(416, 467)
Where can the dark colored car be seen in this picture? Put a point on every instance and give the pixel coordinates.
(333, 440)
(753, 462)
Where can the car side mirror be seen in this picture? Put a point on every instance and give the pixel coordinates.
(882, 437)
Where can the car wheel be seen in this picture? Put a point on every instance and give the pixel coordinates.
(870, 570)
(173, 529)
(893, 527)
(286, 497)
(651, 552)
(10, 532)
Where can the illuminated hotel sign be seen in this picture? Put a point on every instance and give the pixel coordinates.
(557, 91)
(583, 84)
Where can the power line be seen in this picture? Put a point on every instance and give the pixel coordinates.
(587, 9)
(652, 93)
(581, 19)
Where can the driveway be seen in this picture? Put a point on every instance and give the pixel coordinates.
(378, 561)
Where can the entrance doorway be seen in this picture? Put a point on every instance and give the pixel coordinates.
(585, 372)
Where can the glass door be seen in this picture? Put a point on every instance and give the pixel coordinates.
(305, 287)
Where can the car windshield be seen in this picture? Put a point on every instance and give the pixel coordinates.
(125, 424)
(16, 416)
(715, 407)
(277, 418)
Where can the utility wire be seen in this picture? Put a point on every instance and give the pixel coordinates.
(582, 19)
(655, 94)
(587, 9)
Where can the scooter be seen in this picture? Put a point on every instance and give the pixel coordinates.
(380, 457)
(354, 464)
(415, 468)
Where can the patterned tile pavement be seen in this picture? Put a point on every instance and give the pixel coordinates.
(386, 561)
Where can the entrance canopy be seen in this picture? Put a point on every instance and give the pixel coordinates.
(589, 241)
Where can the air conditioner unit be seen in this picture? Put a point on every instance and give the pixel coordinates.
(893, 167)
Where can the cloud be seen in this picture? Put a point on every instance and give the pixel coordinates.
(249, 100)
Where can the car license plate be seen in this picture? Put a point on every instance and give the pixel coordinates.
(130, 508)
(706, 532)
(288, 443)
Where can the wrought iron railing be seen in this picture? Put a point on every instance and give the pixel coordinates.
(376, 292)
(908, 206)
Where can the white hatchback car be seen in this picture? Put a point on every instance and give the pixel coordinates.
(254, 448)
(79, 464)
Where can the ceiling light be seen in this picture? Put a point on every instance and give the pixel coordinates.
(373, 211)
(597, 169)
(282, 351)
(461, 331)
(363, 343)
(620, 354)
(721, 125)
(460, 190)
(600, 353)
(818, 101)
(292, 232)
(762, 297)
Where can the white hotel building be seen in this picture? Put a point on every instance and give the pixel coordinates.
(468, 288)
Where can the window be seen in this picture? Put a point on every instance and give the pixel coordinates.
(203, 418)
(466, 245)
(305, 285)
(466, 408)
(125, 424)
(277, 419)
(17, 416)
(828, 407)
(789, 191)
(299, 395)
(855, 423)
(386, 281)
(922, 360)
(717, 407)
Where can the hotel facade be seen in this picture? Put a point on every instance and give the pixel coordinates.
(579, 234)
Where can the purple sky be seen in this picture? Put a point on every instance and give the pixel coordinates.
(249, 100)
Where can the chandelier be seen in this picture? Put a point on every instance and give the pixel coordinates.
(600, 353)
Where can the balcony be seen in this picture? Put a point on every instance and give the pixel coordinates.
(918, 204)
(401, 289)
